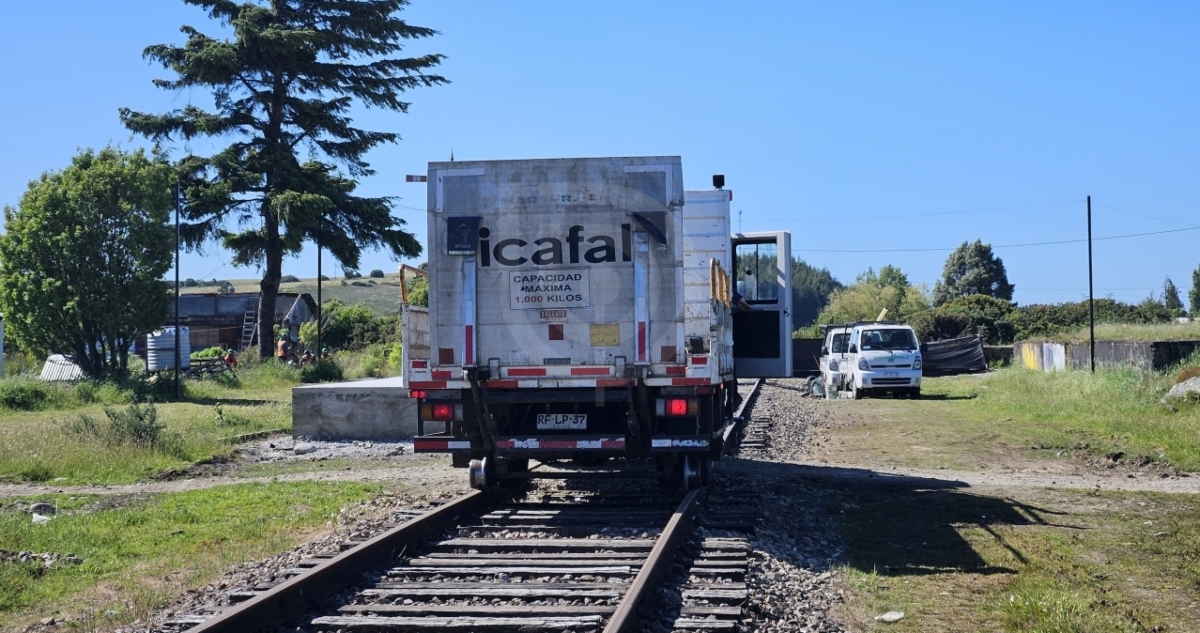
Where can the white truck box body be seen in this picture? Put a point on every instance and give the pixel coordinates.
(578, 264)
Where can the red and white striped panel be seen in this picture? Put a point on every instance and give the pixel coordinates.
(558, 371)
(536, 383)
(432, 446)
(565, 444)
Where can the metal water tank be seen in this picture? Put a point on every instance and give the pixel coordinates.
(160, 349)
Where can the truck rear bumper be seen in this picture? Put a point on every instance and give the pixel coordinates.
(562, 446)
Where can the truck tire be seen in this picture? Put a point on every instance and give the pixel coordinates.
(855, 392)
(915, 393)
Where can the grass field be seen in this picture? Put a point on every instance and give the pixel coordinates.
(136, 551)
(1130, 332)
(1034, 415)
(1020, 557)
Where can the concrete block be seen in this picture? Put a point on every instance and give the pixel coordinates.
(360, 410)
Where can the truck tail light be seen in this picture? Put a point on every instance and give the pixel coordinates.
(416, 394)
(678, 407)
(442, 411)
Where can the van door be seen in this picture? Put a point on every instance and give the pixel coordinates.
(762, 336)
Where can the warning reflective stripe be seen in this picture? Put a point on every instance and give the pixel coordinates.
(641, 341)
(525, 371)
(666, 442)
(427, 384)
(441, 445)
(442, 374)
(534, 443)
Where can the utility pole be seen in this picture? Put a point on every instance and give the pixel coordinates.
(178, 203)
(320, 227)
(1091, 293)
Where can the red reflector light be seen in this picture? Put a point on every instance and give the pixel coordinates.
(420, 364)
(443, 412)
(416, 394)
(677, 406)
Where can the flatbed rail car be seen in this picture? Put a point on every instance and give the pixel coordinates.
(586, 309)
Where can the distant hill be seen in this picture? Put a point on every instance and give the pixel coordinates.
(380, 294)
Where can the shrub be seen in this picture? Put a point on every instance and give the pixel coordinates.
(213, 352)
(321, 371)
(137, 424)
(376, 274)
(24, 394)
(352, 327)
(288, 279)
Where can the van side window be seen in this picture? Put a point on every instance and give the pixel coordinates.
(839, 343)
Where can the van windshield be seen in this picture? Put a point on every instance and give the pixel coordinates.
(839, 343)
(888, 340)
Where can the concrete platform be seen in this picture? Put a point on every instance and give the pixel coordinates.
(360, 410)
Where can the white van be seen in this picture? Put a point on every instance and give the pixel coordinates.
(884, 357)
(835, 356)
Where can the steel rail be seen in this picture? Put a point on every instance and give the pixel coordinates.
(293, 597)
(660, 561)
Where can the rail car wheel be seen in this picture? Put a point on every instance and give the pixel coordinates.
(482, 473)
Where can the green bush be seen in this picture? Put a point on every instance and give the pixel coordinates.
(212, 352)
(376, 274)
(350, 327)
(321, 371)
(1045, 320)
(24, 394)
(136, 425)
(288, 279)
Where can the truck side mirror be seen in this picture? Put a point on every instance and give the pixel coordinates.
(853, 348)
(824, 351)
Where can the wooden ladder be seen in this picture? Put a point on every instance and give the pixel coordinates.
(250, 326)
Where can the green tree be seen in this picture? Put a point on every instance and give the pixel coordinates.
(871, 293)
(1194, 293)
(283, 87)
(972, 269)
(83, 257)
(1171, 299)
(811, 287)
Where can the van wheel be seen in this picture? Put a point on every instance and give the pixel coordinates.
(855, 392)
(915, 393)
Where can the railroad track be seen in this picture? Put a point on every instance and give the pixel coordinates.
(566, 559)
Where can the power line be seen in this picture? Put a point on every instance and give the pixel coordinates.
(944, 250)
(927, 215)
(1142, 215)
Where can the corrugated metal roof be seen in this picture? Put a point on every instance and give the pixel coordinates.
(59, 369)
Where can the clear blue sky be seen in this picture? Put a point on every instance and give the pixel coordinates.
(881, 126)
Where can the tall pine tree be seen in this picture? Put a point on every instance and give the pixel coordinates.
(1194, 293)
(1171, 299)
(283, 86)
(972, 269)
